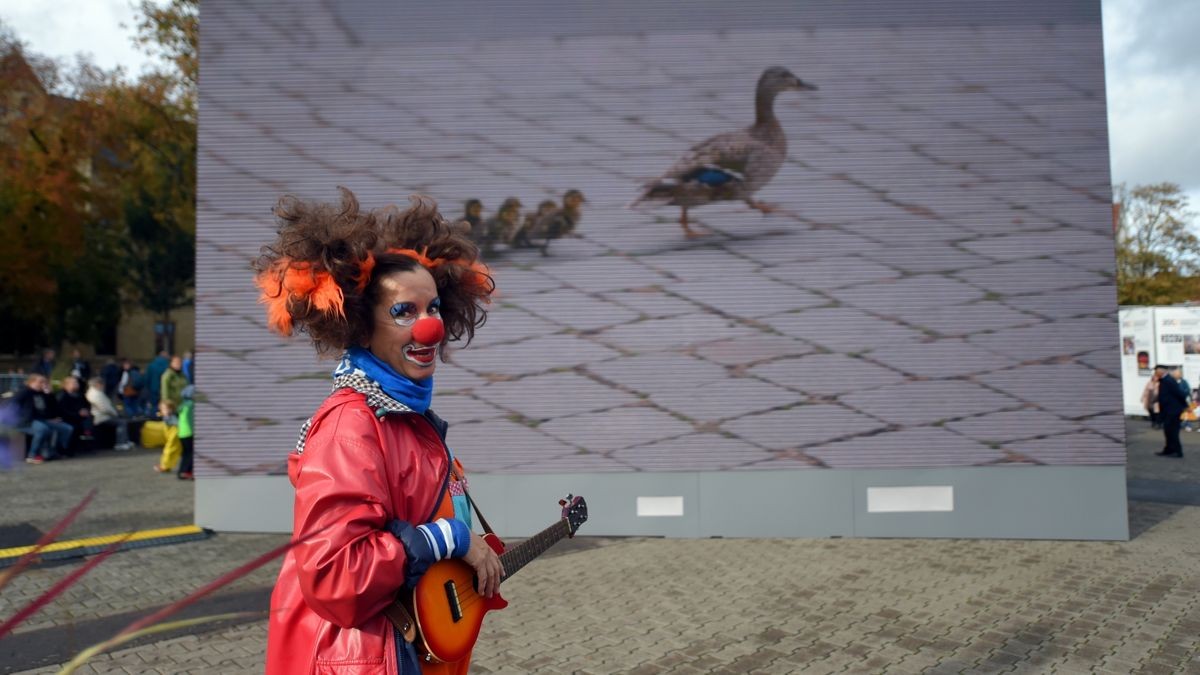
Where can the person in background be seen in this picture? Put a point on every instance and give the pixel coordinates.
(80, 368)
(189, 367)
(186, 416)
(172, 382)
(75, 410)
(1150, 397)
(111, 376)
(172, 449)
(130, 387)
(45, 364)
(152, 392)
(1171, 404)
(105, 415)
(1184, 386)
(1188, 416)
(36, 414)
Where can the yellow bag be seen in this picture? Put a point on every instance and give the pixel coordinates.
(154, 434)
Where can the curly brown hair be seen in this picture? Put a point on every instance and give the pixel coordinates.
(321, 274)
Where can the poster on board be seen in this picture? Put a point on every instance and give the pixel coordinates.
(1137, 355)
(1177, 341)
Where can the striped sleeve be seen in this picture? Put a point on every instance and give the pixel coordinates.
(448, 538)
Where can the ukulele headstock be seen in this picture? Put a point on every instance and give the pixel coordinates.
(574, 512)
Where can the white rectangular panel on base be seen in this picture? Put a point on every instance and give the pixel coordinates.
(651, 507)
(910, 499)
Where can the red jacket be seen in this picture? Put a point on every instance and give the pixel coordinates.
(353, 473)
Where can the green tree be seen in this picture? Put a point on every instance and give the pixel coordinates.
(149, 125)
(1158, 251)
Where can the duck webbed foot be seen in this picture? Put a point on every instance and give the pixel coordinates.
(687, 229)
(762, 206)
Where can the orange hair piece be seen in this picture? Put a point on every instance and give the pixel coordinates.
(279, 319)
(327, 295)
(364, 272)
(478, 276)
(419, 256)
(287, 282)
(299, 280)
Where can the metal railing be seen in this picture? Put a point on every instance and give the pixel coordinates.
(11, 382)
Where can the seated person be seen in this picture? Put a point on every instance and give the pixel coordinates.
(75, 410)
(37, 415)
(105, 418)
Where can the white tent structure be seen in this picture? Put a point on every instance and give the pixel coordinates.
(1157, 335)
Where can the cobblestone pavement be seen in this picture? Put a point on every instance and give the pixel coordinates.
(683, 606)
(1144, 465)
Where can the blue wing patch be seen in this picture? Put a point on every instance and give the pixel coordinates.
(713, 176)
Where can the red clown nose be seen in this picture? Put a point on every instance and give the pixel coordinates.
(429, 331)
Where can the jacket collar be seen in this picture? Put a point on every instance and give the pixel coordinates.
(379, 402)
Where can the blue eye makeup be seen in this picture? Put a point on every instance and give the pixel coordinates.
(405, 313)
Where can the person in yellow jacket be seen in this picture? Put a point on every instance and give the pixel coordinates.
(173, 448)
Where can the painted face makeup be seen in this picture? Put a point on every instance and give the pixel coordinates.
(408, 302)
(406, 314)
(422, 351)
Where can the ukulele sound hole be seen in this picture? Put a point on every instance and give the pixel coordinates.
(452, 598)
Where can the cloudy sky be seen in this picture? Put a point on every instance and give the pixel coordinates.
(1153, 73)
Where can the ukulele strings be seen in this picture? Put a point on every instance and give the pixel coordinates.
(463, 604)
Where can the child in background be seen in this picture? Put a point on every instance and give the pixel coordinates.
(1190, 416)
(185, 433)
(172, 449)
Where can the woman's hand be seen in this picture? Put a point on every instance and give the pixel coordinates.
(487, 565)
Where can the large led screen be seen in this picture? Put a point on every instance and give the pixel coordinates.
(900, 255)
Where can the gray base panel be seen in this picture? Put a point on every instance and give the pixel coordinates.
(1039, 502)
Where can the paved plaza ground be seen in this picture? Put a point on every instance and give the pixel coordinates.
(644, 605)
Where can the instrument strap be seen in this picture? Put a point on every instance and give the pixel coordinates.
(482, 521)
(398, 614)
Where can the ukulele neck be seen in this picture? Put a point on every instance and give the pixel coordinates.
(524, 553)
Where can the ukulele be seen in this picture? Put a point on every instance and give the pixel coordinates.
(448, 611)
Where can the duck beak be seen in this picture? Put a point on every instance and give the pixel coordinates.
(801, 85)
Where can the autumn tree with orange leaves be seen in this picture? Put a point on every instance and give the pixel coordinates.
(97, 189)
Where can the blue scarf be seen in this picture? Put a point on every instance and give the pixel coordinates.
(415, 395)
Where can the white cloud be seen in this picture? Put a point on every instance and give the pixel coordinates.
(61, 29)
(1153, 75)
